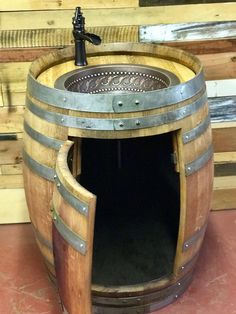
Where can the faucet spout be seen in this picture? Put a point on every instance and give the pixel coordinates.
(80, 37)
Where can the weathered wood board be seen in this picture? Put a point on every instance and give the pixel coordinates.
(120, 16)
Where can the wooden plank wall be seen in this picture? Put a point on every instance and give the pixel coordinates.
(30, 28)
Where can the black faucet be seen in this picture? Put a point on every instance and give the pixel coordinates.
(80, 36)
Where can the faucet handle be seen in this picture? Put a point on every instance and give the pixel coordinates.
(78, 21)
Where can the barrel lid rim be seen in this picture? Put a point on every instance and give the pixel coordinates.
(68, 100)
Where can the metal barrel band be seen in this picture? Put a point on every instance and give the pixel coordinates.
(189, 264)
(182, 285)
(111, 102)
(76, 203)
(117, 124)
(198, 163)
(70, 121)
(69, 235)
(42, 170)
(42, 139)
(194, 238)
(197, 131)
(133, 305)
(160, 119)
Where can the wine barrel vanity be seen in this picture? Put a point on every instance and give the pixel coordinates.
(127, 136)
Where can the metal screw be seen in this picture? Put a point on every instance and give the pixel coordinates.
(137, 122)
(176, 296)
(54, 217)
(58, 184)
(182, 267)
(121, 124)
(84, 209)
(186, 245)
(186, 136)
(137, 102)
(189, 168)
(64, 99)
(179, 284)
(55, 176)
(81, 245)
(62, 119)
(120, 104)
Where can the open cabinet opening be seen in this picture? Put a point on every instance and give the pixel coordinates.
(138, 205)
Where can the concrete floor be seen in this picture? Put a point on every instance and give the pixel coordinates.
(25, 287)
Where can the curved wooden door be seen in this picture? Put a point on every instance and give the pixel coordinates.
(73, 227)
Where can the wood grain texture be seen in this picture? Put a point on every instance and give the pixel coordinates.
(127, 16)
(61, 37)
(14, 72)
(35, 40)
(196, 47)
(187, 32)
(11, 169)
(39, 205)
(219, 66)
(11, 181)
(13, 93)
(198, 146)
(200, 47)
(224, 139)
(23, 54)
(161, 33)
(11, 152)
(225, 157)
(224, 196)
(222, 109)
(13, 208)
(198, 204)
(20, 5)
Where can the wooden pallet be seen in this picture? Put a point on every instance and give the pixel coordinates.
(31, 28)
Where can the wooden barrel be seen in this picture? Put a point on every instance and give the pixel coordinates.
(162, 166)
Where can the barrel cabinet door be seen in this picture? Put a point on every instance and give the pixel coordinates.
(72, 232)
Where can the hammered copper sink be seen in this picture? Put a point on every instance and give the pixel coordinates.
(116, 78)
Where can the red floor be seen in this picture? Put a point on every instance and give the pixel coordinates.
(25, 288)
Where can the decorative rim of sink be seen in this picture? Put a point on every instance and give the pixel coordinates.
(116, 79)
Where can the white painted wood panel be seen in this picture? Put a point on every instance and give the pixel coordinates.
(187, 31)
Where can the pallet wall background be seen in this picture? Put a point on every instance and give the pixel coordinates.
(30, 28)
